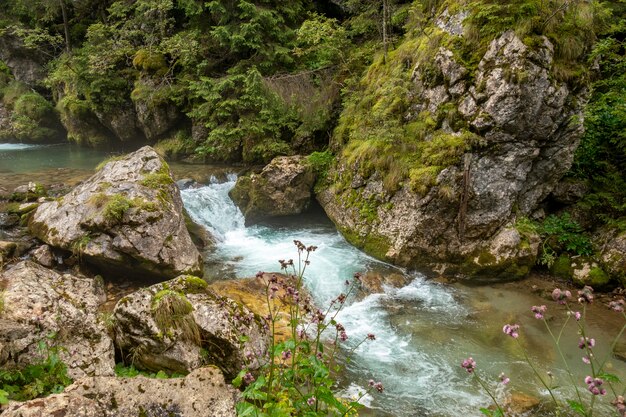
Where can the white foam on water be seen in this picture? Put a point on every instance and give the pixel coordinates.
(421, 377)
(17, 146)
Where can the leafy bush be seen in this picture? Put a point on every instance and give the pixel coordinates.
(47, 376)
(130, 371)
(562, 234)
(297, 378)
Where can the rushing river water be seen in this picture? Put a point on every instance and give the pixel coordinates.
(423, 330)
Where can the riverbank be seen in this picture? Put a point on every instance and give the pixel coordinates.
(424, 326)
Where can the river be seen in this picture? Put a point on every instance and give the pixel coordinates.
(423, 330)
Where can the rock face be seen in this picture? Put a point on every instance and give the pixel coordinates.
(27, 65)
(525, 127)
(202, 393)
(180, 325)
(282, 188)
(127, 219)
(39, 303)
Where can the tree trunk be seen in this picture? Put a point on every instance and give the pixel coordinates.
(385, 36)
(66, 27)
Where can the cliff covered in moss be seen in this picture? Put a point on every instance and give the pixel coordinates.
(446, 127)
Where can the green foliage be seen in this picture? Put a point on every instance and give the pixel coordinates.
(41, 378)
(601, 156)
(562, 234)
(320, 42)
(115, 207)
(123, 371)
(321, 163)
(298, 376)
(572, 26)
(175, 147)
(12, 92)
(172, 310)
(242, 117)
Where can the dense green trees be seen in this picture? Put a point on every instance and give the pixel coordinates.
(245, 80)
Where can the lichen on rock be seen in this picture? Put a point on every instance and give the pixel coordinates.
(438, 157)
(284, 187)
(127, 218)
(181, 324)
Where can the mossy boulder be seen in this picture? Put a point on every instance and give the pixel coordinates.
(562, 267)
(82, 124)
(181, 324)
(26, 116)
(283, 188)
(581, 271)
(613, 257)
(586, 271)
(509, 256)
(437, 156)
(127, 219)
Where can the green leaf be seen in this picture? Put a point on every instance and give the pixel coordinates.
(245, 409)
(486, 411)
(577, 407)
(609, 377)
(4, 397)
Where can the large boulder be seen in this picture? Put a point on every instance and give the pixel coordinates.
(180, 325)
(42, 305)
(500, 136)
(282, 188)
(613, 257)
(127, 219)
(202, 393)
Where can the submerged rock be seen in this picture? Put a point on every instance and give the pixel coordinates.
(127, 218)
(180, 325)
(202, 393)
(283, 188)
(252, 293)
(518, 127)
(42, 305)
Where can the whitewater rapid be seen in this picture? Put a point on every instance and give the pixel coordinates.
(418, 382)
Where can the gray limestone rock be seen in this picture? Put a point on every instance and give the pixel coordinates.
(40, 303)
(282, 188)
(526, 127)
(202, 393)
(180, 325)
(127, 218)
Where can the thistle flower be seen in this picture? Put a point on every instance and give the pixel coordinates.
(371, 336)
(586, 342)
(617, 305)
(585, 295)
(311, 401)
(469, 365)
(511, 330)
(248, 378)
(504, 379)
(561, 297)
(286, 355)
(539, 311)
(594, 384)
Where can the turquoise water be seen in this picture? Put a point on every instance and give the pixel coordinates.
(424, 329)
